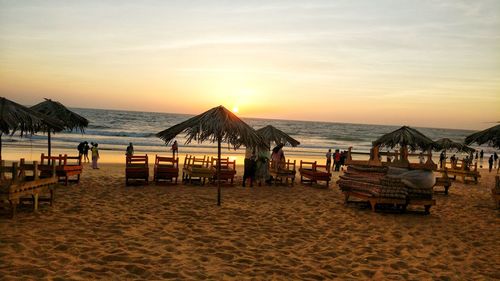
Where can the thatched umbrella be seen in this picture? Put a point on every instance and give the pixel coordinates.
(447, 144)
(56, 110)
(215, 125)
(405, 137)
(490, 136)
(15, 117)
(271, 134)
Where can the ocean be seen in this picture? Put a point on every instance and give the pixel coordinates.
(114, 129)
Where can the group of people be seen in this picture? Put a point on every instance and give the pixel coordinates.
(338, 159)
(470, 159)
(83, 151)
(256, 165)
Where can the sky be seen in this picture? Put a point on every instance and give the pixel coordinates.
(420, 63)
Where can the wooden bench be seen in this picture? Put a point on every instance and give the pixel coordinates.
(399, 203)
(137, 168)
(166, 168)
(197, 169)
(283, 171)
(443, 181)
(66, 167)
(309, 170)
(20, 187)
(227, 169)
(464, 171)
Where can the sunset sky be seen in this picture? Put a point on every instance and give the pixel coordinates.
(420, 63)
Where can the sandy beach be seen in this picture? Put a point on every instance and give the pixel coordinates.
(101, 229)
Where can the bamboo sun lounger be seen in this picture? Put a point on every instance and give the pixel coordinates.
(197, 168)
(227, 169)
(309, 170)
(166, 168)
(400, 203)
(137, 168)
(20, 187)
(283, 171)
(66, 167)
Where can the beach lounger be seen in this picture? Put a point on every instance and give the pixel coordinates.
(137, 168)
(283, 171)
(198, 169)
(227, 169)
(166, 168)
(312, 172)
(20, 187)
(66, 167)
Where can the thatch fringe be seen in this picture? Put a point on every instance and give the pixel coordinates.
(490, 136)
(56, 110)
(271, 134)
(405, 136)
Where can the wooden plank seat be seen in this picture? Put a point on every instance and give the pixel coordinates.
(443, 181)
(464, 171)
(399, 203)
(283, 171)
(66, 167)
(227, 169)
(309, 171)
(137, 169)
(20, 187)
(197, 169)
(166, 168)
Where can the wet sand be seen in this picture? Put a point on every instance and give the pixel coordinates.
(101, 229)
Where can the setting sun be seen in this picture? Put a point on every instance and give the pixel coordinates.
(235, 109)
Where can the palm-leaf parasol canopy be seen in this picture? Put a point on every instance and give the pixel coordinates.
(490, 136)
(447, 144)
(15, 117)
(56, 110)
(405, 136)
(271, 134)
(215, 125)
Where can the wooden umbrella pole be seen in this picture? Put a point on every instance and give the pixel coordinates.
(49, 143)
(218, 171)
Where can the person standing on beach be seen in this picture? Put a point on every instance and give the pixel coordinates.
(490, 162)
(495, 160)
(336, 160)
(95, 155)
(249, 166)
(262, 166)
(86, 149)
(481, 154)
(328, 159)
(130, 150)
(175, 149)
(80, 149)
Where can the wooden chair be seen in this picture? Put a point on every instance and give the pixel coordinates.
(309, 170)
(166, 168)
(227, 169)
(137, 168)
(283, 170)
(66, 167)
(20, 187)
(443, 181)
(198, 170)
